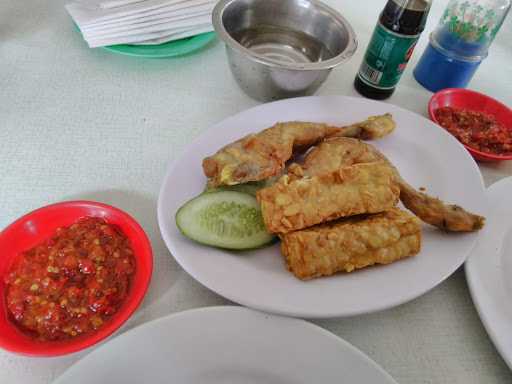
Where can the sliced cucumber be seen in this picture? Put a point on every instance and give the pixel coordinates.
(251, 187)
(224, 219)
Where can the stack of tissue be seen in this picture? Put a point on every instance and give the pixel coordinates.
(111, 22)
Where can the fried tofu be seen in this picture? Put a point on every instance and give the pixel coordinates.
(295, 203)
(350, 244)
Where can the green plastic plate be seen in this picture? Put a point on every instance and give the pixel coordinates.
(170, 49)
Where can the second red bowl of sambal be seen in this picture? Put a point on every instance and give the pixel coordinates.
(71, 274)
(482, 124)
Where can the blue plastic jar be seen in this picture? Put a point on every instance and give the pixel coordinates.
(460, 42)
(439, 69)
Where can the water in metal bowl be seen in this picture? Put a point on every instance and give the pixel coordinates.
(283, 45)
(282, 48)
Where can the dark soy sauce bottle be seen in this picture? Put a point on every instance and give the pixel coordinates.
(394, 38)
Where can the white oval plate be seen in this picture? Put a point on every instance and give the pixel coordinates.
(425, 154)
(226, 345)
(489, 269)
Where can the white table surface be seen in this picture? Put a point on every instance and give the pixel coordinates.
(82, 123)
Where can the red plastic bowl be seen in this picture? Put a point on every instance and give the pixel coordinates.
(465, 98)
(35, 227)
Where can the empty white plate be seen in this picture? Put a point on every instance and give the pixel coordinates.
(226, 345)
(425, 154)
(489, 269)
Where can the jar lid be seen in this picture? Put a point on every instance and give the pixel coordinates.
(459, 53)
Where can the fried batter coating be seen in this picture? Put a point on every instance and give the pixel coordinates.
(350, 244)
(296, 202)
(372, 128)
(338, 152)
(449, 217)
(263, 155)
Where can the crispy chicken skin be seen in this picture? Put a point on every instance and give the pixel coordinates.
(263, 155)
(448, 217)
(372, 128)
(335, 153)
(338, 152)
(350, 244)
(296, 202)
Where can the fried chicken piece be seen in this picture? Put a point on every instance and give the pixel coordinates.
(336, 153)
(449, 217)
(295, 202)
(372, 128)
(350, 244)
(263, 155)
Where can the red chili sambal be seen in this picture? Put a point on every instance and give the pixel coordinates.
(476, 129)
(72, 283)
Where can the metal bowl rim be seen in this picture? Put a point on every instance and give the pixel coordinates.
(346, 54)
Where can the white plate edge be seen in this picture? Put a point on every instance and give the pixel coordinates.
(313, 327)
(475, 296)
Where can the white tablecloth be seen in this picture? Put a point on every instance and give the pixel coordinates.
(82, 123)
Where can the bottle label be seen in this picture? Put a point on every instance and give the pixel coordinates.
(386, 57)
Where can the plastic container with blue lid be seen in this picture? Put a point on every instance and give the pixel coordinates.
(460, 43)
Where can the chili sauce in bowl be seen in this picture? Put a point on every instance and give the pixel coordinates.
(71, 274)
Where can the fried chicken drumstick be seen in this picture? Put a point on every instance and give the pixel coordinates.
(339, 152)
(263, 155)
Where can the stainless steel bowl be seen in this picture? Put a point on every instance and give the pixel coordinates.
(282, 48)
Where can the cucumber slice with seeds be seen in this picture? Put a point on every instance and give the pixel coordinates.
(224, 219)
(251, 187)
